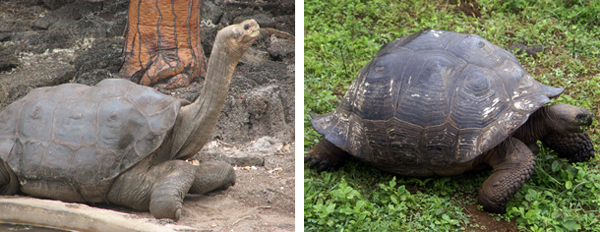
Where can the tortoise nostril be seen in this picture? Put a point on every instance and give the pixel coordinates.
(585, 118)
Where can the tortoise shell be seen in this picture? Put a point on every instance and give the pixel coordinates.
(432, 101)
(84, 136)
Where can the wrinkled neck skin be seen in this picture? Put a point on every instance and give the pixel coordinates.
(534, 129)
(196, 121)
(537, 126)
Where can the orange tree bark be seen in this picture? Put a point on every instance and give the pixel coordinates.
(162, 43)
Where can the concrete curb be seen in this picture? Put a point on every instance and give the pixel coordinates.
(76, 216)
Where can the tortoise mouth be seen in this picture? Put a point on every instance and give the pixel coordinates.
(585, 120)
(255, 30)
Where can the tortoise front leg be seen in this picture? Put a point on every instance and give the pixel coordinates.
(160, 188)
(577, 147)
(162, 43)
(513, 163)
(166, 200)
(179, 178)
(9, 184)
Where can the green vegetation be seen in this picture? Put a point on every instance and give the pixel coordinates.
(342, 36)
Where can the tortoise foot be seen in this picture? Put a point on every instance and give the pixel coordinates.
(513, 165)
(325, 156)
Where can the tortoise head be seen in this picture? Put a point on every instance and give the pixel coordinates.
(237, 38)
(563, 118)
(567, 135)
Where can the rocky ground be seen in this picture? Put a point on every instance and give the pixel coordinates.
(50, 42)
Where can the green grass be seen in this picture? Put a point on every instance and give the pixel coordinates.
(342, 36)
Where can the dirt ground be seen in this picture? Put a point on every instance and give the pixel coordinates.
(487, 222)
(50, 42)
(261, 200)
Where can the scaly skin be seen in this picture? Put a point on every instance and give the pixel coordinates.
(513, 163)
(576, 147)
(162, 43)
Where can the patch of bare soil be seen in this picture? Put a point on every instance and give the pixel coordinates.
(262, 198)
(483, 222)
(468, 7)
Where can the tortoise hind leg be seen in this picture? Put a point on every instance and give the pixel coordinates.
(513, 163)
(326, 156)
(9, 184)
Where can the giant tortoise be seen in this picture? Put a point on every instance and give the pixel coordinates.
(443, 103)
(118, 142)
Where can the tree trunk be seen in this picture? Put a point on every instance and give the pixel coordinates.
(162, 43)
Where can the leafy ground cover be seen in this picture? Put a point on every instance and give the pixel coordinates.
(342, 36)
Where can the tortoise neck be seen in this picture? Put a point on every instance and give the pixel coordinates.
(200, 117)
(535, 128)
(218, 77)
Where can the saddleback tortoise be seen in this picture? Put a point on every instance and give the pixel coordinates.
(443, 103)
(119, 142)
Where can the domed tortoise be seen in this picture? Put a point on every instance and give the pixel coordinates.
(440, 103)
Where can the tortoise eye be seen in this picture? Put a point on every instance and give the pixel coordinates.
(246, 27)
(582, 117)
